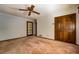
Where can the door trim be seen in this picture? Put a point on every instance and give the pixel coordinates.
(35, 27)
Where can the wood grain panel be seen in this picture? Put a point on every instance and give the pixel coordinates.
(65, 28)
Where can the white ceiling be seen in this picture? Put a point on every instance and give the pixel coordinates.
(44, 9)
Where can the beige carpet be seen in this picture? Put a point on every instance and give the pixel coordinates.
(35, 45)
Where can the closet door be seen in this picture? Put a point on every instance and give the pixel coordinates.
(65, 28)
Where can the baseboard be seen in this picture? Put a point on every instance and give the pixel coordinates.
(13, 38)
(52, 39)
(45, 38)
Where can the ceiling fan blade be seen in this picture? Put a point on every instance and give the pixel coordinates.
(36, 12)
(22, 9)
(29, 13)
(32, 7)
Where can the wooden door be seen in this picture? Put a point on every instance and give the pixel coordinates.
(29, 28)
(65, 28)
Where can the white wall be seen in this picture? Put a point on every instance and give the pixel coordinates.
(45, 23)
(44, 27)
(77, 26)
(12, 26)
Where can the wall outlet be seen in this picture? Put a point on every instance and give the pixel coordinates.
(40, 35)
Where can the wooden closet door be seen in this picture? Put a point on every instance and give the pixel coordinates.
(65, 28)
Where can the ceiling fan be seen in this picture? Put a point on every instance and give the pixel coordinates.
(30, 10)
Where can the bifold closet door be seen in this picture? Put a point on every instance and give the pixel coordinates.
(65, 28)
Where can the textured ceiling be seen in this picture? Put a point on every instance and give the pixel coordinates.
(9, 8)
(44, 9)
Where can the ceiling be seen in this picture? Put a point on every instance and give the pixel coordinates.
(44, 9)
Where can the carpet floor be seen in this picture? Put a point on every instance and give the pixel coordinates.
(36, 45)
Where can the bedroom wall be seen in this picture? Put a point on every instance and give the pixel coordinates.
(45, 24)
(77, 26)
(12, 26)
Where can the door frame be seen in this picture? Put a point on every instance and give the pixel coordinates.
(27, 28)
(35, 27)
